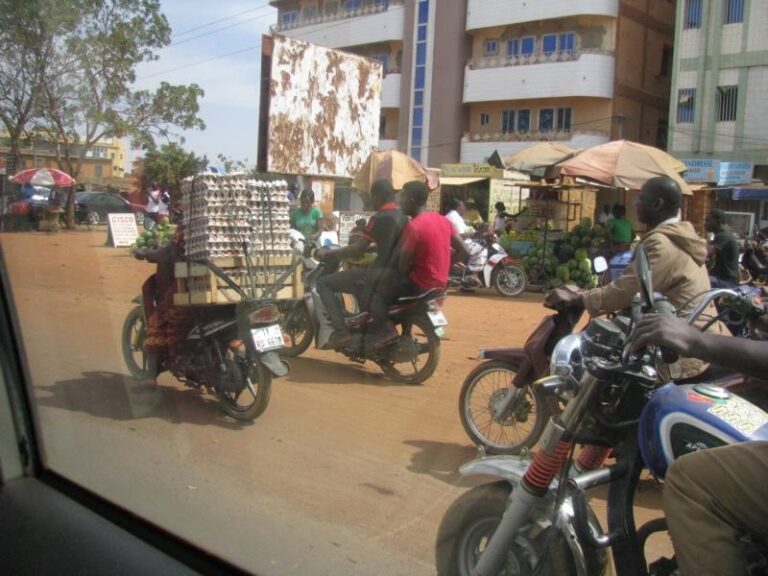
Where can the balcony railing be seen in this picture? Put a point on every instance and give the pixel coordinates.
(535, 58)
(340, 14)
(531, 136)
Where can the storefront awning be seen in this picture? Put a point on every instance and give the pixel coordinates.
(749, 193)
(453, 181)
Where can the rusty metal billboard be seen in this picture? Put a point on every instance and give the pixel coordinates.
(320, 114)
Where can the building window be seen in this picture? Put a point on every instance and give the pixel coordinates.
(352, 5)
(97, 170)
(491, 47)
(331, 8)
(380, 3)
(308, 12)
(485, 118)
(546, 119)
(686, 105)
(666, 60)
(725, 103)
(420, 73)
(383, 58)
(507, 121)
(523, 121)
(564, 119)
(382, 126)
(551, 43)
(521, 46)
(692, 14)
(733, 11)
(289, 18)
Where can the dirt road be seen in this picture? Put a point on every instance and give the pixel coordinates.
(345, 473)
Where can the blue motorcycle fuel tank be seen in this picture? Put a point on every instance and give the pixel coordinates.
(682, 419)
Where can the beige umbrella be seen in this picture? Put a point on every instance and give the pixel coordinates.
(396, 167)
(624, 164)
(538, 156)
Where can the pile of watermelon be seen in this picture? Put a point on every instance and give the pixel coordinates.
(572, 264)
(160, 236)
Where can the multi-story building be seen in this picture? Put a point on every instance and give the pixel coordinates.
(719, 110)
(103, 164)
(465, 78)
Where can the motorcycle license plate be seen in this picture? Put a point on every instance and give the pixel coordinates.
(437, 318)
(267, 338)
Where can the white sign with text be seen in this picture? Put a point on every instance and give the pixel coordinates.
(122, 229)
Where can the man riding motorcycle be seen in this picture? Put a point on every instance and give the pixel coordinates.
(723, 251)
(676, 255)
(474, 250)
(375, 286)
(714, 497)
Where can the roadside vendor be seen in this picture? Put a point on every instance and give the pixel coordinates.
(308, 218)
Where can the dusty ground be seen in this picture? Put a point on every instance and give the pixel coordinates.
(345, 473)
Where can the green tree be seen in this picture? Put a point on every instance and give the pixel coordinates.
(168, 165)
(88, 90)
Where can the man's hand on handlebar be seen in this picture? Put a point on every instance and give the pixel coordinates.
(665, 330)
(563, 298)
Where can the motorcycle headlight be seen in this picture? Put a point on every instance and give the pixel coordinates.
(566, 356)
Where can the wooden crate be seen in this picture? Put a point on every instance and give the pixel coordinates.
(198, 285)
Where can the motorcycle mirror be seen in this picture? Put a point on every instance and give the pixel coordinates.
(600, 265)
(643, 270)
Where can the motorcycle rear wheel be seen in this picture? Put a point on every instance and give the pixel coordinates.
(468, 525)
(418, 369)
(244, 405)
(508, 280)
(520, 428)
(134, 332)
(297, 327)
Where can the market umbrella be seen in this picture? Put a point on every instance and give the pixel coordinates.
(538, 156)
(44, 177)
(396, 167)
(624, 164)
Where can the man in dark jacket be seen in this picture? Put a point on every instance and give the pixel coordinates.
(723, 252)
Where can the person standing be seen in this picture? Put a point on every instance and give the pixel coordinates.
(308, 218)
(500, 222)
(621, 231)
(723, 252)
(154, 198)
(605, 215)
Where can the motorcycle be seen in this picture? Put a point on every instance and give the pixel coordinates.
(230, 351)
(500, 408)
(410, 359)
(491, 267)
(536, 519)
(755, 261)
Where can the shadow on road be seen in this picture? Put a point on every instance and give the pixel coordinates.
(318, 371)
(442, 461)
(120, 397)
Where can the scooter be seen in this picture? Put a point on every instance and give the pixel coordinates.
(500, 407)
(411, 358)
(491, 267)
(535, 519)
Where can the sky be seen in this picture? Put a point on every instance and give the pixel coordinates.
(216, 45)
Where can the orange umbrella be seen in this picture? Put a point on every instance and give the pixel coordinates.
(396, 167)
(624, 164)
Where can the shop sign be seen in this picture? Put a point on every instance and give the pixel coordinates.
(122, 229)
(471, 170)
(735, 173)
(701, 170)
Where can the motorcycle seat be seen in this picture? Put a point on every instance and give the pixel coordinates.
(428, 295)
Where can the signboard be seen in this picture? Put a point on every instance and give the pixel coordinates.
(701, 170)
(122, 229)
(321, 113)
(347, 221)
(471, 170)
(735, 173)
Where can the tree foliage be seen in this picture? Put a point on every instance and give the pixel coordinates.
(83, 89)
(168, 165)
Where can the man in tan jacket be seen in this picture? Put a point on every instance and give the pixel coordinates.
(676, 256)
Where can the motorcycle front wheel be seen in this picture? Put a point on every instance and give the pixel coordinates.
(522, 423)
(253, 383)
(414, 356)
(296, 324)
(508, 280)
(134, 333)
(467, 527)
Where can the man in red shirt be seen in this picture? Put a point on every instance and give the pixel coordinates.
(425, 258)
